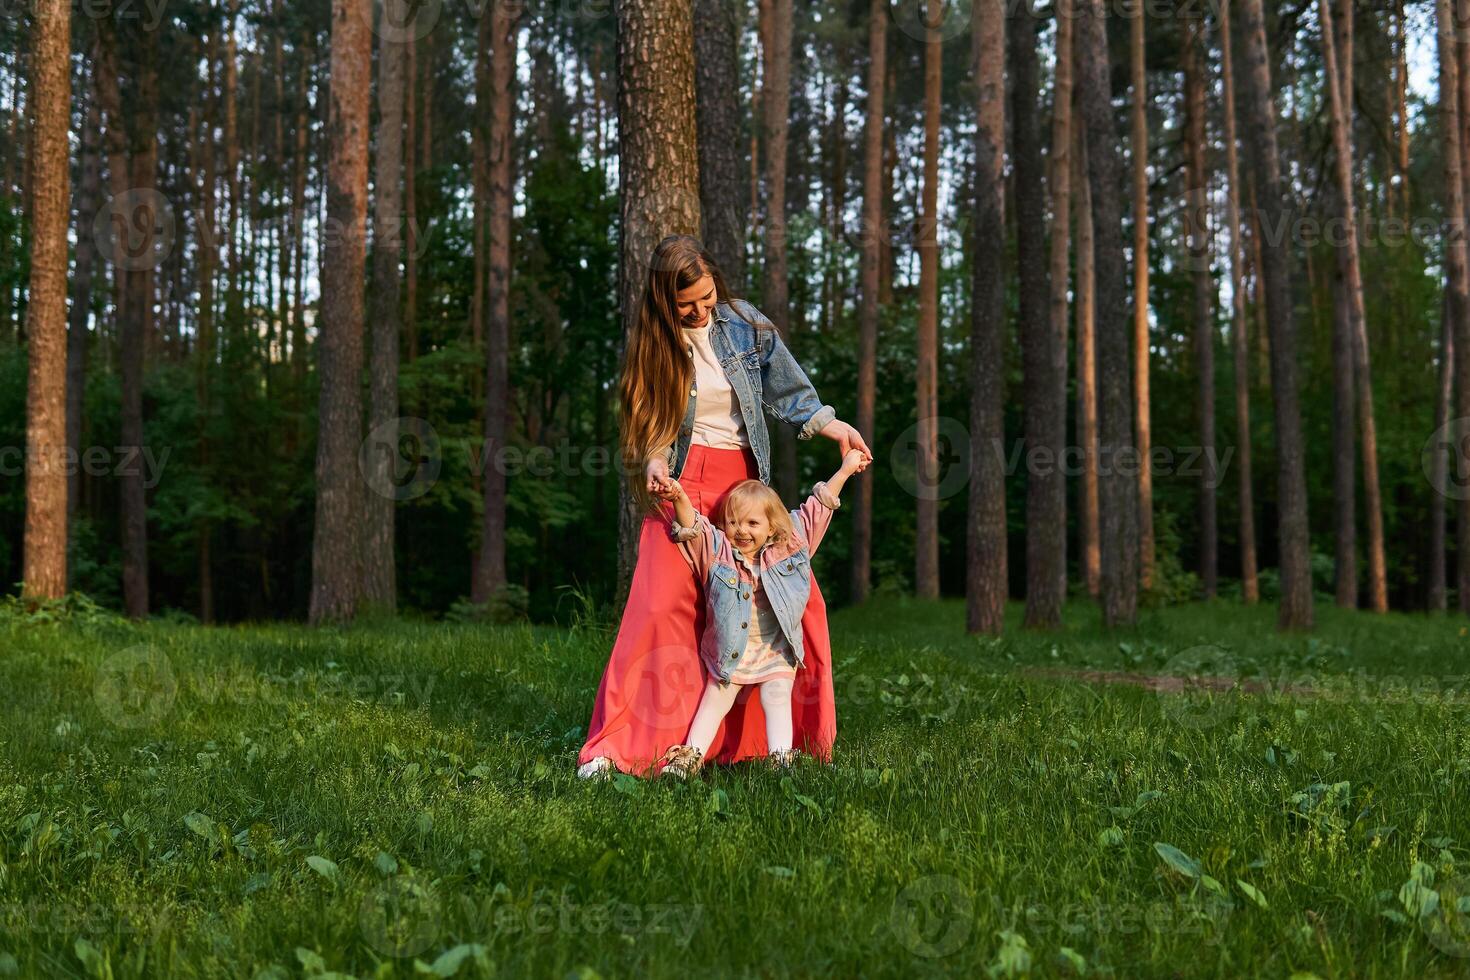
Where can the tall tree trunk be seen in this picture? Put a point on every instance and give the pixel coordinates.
(1196, 223)
(1088, 518)
(1059, 178)
(298, 224)
(867, 361)
(776, 294)
(336, 548)
(411, 203)
(717, 87)
(659, 172)
(987, 576)
(88, 199)
(1138, 118)
(1250, 584)
(141, 121)
(1462, 319)
(46, 530)
(1439, 474)
(379, 574)
(1401, 92)
(1344, 425)
(1045, 483)
(926, 541)
(1118, 494)
(490, 575)
(204, 345)
(1339, 95)
(1275, 270)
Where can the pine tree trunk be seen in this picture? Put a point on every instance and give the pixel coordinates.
(490, 574)
(411, 204)
(204, 347)
(987, 577)
(1143, 429)
(1339, 74)
(1275, 271)
(379, 574)
(872, 234)
(297, 225)
(1462, 320)
(1344, 423)
(717, 87)
(1088, 518)
(88, 199)
(1250, 583)
(1045, 483)
(46, 491)
(1118, 490)
(659, 172)
(1439, 474)
(1059, 180)
(926, 541)
(776, 291)
(337, 549)
(1197, 230)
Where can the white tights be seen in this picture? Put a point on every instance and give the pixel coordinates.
(716, 703)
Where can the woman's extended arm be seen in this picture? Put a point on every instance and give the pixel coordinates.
(787, 393)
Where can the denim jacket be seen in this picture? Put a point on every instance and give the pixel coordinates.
(763, 374)
(782, 569)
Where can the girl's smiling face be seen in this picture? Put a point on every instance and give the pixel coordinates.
(695, 302)
(748, 531)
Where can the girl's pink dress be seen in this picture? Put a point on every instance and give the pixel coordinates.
(654, 678)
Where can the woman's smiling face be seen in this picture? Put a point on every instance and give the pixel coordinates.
(695, 302)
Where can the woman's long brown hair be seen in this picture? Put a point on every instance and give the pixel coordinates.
(657, 372)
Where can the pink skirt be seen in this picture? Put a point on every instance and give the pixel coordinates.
(654, 678)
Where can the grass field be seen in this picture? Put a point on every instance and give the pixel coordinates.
(399, 798)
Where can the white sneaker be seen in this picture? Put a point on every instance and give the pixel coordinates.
(598, 768)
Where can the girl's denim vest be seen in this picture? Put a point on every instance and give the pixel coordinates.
(764, 375)
(729, 586)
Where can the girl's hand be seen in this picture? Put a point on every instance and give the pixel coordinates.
(657, 474)
(669, 490)
(847, 438)
(855, 461)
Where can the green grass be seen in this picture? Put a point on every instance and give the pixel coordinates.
(182, 801)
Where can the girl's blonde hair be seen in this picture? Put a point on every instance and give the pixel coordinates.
(657, 371)
(754, 493)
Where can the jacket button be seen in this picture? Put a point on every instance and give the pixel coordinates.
(744, 625)
(745, 595)
(789, 566)
(693, 392)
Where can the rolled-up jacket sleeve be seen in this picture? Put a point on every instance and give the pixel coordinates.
(696, 542)
(814, 516)
(786, 392)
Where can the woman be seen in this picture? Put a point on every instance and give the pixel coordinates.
(699, 373)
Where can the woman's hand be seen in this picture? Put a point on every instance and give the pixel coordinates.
(670, 490)
(855, 461)
(847, 438)
(657, 474)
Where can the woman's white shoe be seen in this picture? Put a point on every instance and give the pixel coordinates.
(598, 768)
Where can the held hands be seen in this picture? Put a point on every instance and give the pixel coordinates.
(848, 439)
(669, 489)
(855, 461)
(657, 474)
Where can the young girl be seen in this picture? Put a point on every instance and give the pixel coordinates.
(756, 569)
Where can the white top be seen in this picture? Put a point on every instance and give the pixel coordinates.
(718, 423)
